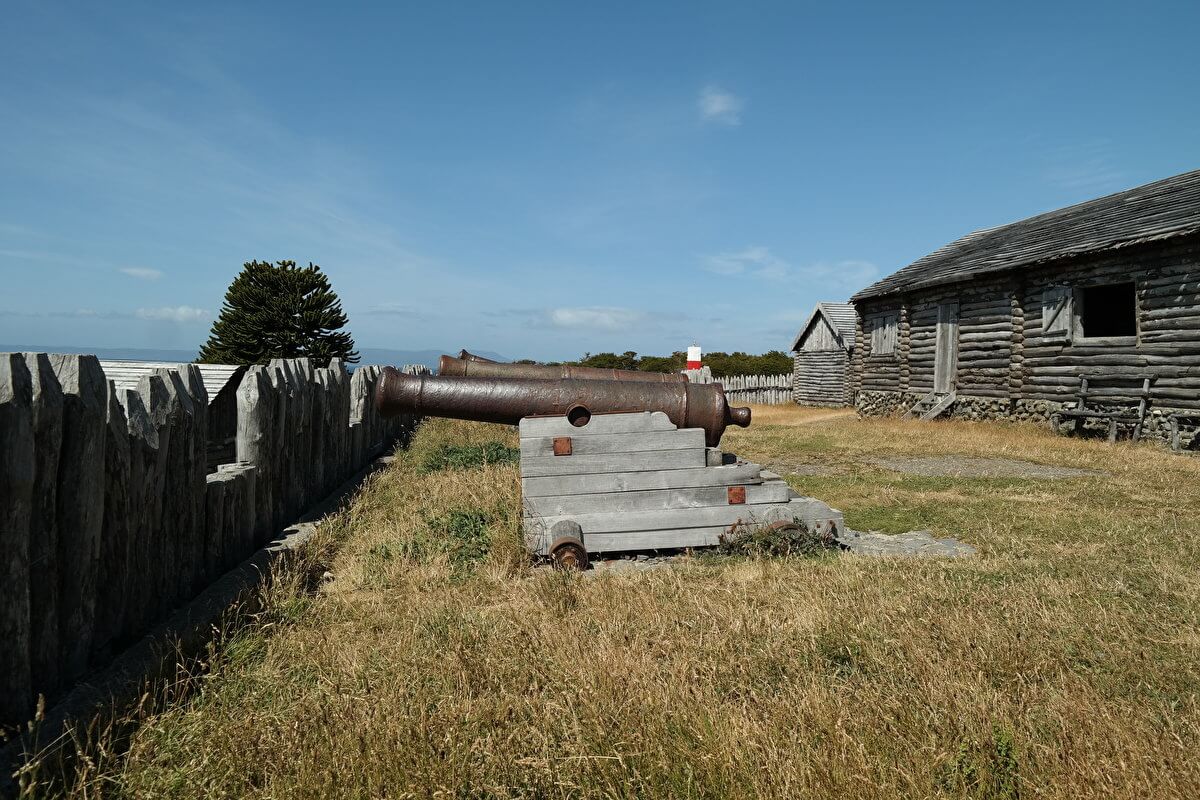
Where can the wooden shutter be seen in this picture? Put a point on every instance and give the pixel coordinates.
(1057, 312)
(883, 333)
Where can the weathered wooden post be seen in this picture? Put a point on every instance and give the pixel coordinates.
(81, 509)
(245, 509)
(360, 405)
(17, 461)
(287, 449)
(362, 400)
(176, 502)
(302, 421)
(115, 538)
(143, 494)
(216, 555)
(43, 524)
(343, 381)
(156, 398)
(255, 429)
(193, 380)
(280, 450)
(239, 530)
(320, 421)
(339, 419)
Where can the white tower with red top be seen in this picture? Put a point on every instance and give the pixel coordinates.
(693, 357)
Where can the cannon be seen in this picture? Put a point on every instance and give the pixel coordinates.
(616, 466)
(465, 356)
(511, 399)
(476, 368)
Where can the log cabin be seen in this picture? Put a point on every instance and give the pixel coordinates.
(821, 356)
(1087, 317)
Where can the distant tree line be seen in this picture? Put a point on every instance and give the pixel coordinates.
(774, 362)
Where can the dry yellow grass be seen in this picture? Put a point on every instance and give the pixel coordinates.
(1062, 662)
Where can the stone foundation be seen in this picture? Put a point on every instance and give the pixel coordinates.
(1157, 426)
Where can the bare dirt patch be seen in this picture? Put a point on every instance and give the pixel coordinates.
(974, 467)
(802, 469)
(797, 415)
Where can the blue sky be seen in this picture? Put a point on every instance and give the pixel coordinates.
(544, 179)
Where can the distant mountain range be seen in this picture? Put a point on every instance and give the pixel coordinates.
(367, 355)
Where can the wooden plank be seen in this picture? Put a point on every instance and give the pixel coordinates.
(537, 466)
(616, 443)
(600, 424)
(638, 540)
(728, 475)
(618, 521)
(776, 491)
(946, 363)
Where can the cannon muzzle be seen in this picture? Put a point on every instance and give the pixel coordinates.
(473, 368)
(465, 356)
(508, 400)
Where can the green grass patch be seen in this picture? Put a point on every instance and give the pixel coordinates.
(468, 456)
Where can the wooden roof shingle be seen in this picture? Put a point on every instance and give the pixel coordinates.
(1160, 210)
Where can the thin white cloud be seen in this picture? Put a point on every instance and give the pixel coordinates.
(755, 260)
(174, 314)
(759, 262)
(75, 313)
(394, 310)
(1085, 167)
(142, 273)
(718, 105)
(850, 273)
(596, 318)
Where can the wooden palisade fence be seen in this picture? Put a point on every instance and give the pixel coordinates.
(771, 390)
(108, 520)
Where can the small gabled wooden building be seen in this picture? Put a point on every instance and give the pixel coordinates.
(1086, 316)
(822, 351)
(220, 383)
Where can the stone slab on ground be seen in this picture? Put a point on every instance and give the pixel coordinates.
(914, 544)
(639, 563)
(975, 467)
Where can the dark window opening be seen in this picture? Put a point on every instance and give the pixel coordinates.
(1108, 310)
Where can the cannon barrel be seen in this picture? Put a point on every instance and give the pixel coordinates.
(471, 368)
(509, 400)
(465, 356)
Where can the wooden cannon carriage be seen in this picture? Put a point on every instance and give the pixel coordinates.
(618, 464)
(635, 481)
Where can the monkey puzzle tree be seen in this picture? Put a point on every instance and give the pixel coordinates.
(279, 311)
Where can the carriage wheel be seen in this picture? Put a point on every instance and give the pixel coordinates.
(569, 555)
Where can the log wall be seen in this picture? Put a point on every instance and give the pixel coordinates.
(819, 377)
(1004, 355)
(109, 516)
